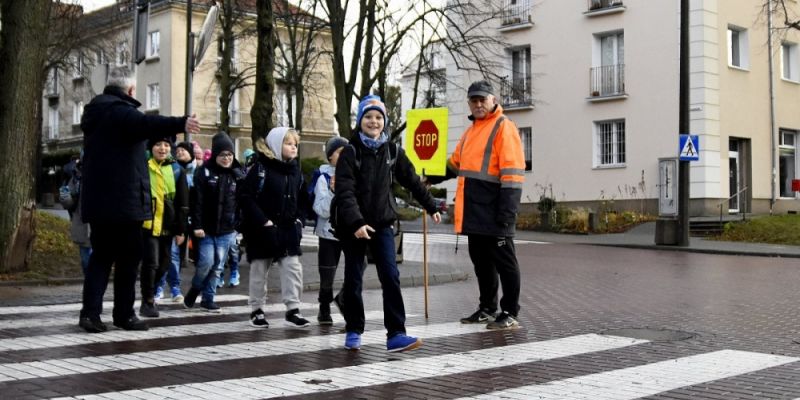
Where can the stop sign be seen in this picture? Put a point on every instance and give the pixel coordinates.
(426, 139)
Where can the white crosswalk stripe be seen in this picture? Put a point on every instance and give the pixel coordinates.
(167, 314)
(413, 238)
(106, 304)
(647, 380)
(398, 371)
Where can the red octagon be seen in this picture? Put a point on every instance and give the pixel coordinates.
(426, 139)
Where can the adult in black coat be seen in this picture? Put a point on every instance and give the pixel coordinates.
(116, 194)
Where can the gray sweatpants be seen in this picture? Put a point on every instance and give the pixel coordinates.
(291, 281)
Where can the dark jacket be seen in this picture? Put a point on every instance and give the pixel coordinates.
(281, 199)
(116, 184)
(213, 208)
(364, 195)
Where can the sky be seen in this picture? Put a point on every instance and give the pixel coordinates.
(89, 5)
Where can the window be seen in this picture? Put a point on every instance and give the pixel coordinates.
(78, 66)
(52, 122)
(52, 86)
(100, 57)
(790, 70)
(153, 43)
(153, 96)
(608, 73)
(122, 53)
(527, 147)
(610, 143)
(518, 91)
(282, 108)
(436, 94)
(234, 59)
(738, 43)
(787, 162)
(77, 112)
(233, 109)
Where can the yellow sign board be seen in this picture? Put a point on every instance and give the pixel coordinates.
(426, 140)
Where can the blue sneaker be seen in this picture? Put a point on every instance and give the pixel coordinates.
(352, 341)
(177, 296)
(402, 342)
(234, 282)
(159, 294)
(220, 283)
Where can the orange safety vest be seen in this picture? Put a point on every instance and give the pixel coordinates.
(490, 166)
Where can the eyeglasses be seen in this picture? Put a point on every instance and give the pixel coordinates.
(225, 155)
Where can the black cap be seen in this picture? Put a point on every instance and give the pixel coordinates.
(334, 144)
(480, 88)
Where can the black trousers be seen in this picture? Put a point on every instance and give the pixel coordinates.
(118, 245)
(495, 262)
(327, 261)
(156, 260)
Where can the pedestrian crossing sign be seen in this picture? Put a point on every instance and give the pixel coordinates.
(689, 148)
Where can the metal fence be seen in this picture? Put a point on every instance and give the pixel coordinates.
(601, 4)
(608, 80)
(516, 12)
(516, 93)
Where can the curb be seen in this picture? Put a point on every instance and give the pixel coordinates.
(696, 250)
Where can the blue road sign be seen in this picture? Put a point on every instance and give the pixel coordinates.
(689, 148)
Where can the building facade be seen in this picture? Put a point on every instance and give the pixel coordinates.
(161, 80)
(593, 87)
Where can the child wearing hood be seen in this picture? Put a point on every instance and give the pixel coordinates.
(170, 203)
(272, 200)
(213, 219)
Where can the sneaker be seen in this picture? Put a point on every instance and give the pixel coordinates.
(191, 297)
(402, 342)
(148, 310)
(159, 294)
(92, 324)
(295, 320)
(258, 319)
(352, 341)
(478, 317)
(220, 283)
(210, 306)
(132, 324)
(503, 321)
(324, 316)
(234, 282)
(177, 296)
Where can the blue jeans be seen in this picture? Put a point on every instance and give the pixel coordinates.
(86, 252)
(383, 251)
(173, 275)
(211, 256)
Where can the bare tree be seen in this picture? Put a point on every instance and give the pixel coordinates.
(262, 109)
(22, 54)
(299, 52)
(381, 30)
(788, 16)
(233, 72)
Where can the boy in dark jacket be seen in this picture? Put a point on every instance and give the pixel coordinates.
(213, 219)
(366, 212)
(272, 199)
(170, 199)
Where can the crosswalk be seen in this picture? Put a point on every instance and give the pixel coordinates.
(189, 354)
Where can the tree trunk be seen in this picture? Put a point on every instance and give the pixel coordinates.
(21, 58)
(262, 110)
(227, 19)
(337, 20)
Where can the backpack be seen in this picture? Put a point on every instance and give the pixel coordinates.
(392, 149)
(310, 213)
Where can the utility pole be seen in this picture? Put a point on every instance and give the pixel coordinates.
(683, 128)
(189, 65)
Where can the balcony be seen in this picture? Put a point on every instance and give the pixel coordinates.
(515, 14)
(51, 89)
(607, 82)
(234, 66)
(602, 7)
(516, 93)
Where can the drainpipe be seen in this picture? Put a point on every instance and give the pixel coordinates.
(772, 138)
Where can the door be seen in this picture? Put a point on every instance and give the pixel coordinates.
(733, 176)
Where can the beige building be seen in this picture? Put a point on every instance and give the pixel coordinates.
(593, 87)
(161, 80)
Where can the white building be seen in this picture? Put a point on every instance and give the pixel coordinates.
(593, 87)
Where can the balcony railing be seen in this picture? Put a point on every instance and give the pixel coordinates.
(608, 80)
(516, 93)
(516, 12)
(596, 5)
